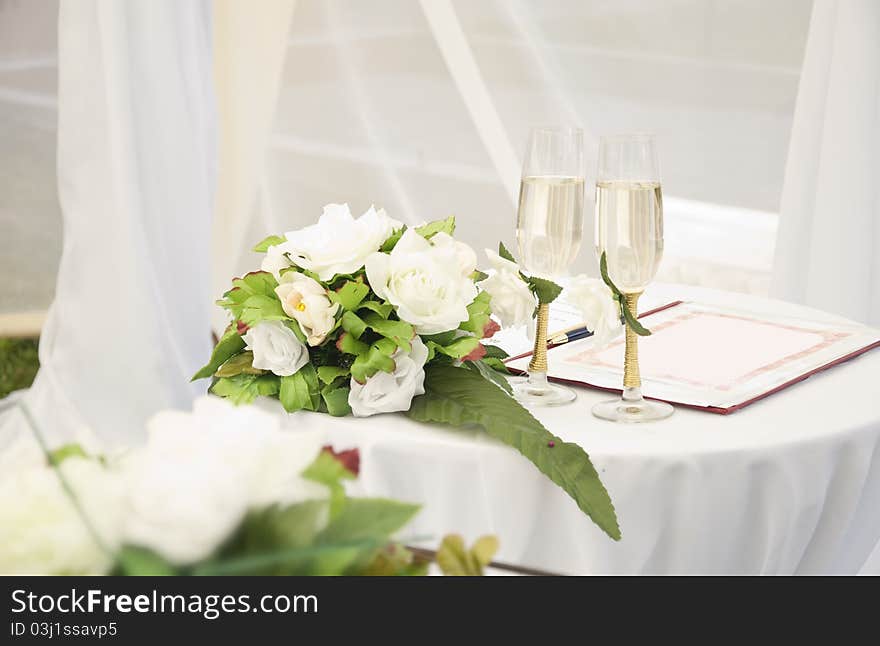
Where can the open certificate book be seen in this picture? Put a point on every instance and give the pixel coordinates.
(714, 358)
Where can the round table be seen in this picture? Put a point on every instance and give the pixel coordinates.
(790, 484)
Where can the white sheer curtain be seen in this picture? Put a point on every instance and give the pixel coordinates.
(828, 249)
(136, 160)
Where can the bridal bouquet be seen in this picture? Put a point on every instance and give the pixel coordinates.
(359, 316)
(218, 490)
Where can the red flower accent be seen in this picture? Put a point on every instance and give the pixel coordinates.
(476, 354)
(350, 458)
(241, 327)
(490, 328)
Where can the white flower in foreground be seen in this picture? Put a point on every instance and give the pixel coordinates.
(596, 302)
(511, 299)
(275, 260)
(306, 301)
(276, 348)
(338, 243)
(428, 281)
(41, 531)
(192, 483)
(390, 392)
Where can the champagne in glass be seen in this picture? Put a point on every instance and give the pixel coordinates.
(629, 231)
(549, 228)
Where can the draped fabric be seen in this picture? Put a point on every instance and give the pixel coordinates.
(136, 176)
(828, 247)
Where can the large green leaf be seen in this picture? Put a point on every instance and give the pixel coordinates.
(364, 518)
(139, 561)
(377, 358)
(243, 362)
(382, 309)
(261, 307)
(459, 397)
(461, 347)
(336, 400)
(230, 344)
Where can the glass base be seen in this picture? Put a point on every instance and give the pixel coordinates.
(632, 410)
(535, 390)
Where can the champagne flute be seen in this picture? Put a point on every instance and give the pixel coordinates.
(629, 231)
(550, 223)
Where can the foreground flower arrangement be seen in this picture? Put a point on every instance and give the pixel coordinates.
(218, 490)
(365, 316)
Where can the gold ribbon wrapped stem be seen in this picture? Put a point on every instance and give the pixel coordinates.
(539, 355)
(631, 377)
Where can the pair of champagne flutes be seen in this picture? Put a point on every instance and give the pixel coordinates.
(629, 231)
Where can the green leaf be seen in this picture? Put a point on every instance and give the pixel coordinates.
(487, 372)
(545, 290)
(460, 397)
(256, 283)
(353, 324)
(300, 390)
(400, 332)
(478, 314)
(633, 322)
(454, 559)
(363, 518)
(327, 374)
(329, 471)
(496, 365)
(348, 344)
(458, 349)
(243, 389)
(271, 241)
(377, 358)
(350, 295)
(494, 352)
(243, 362)
(382, 309)
(625, 314)
(230, 344)
(261, 307)
(336, 400)
(431, 229)
(392, 241)
(140, 561)
(478, 276)
(504, 253)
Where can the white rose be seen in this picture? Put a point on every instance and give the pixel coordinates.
(41, 531)
(428, 281)
(193, 482)
(276, 348)
(389, 392)
(511, 299)
(337, 243)
(305, 300)
(275, 260)
(596, 302)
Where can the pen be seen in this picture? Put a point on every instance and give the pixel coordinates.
(571, 334)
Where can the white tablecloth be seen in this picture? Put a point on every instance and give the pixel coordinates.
(790, 484)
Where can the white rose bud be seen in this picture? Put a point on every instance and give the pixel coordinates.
(391, 392)
(337, 243)
(596, 302)
(428, 281)
(511, 299)
(276, 348)
(305, 300)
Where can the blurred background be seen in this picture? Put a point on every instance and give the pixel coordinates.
(369, 111)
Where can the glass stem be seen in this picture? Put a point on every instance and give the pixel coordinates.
(632, 380)
(538, 364)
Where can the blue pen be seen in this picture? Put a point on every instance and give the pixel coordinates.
(567, 336)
